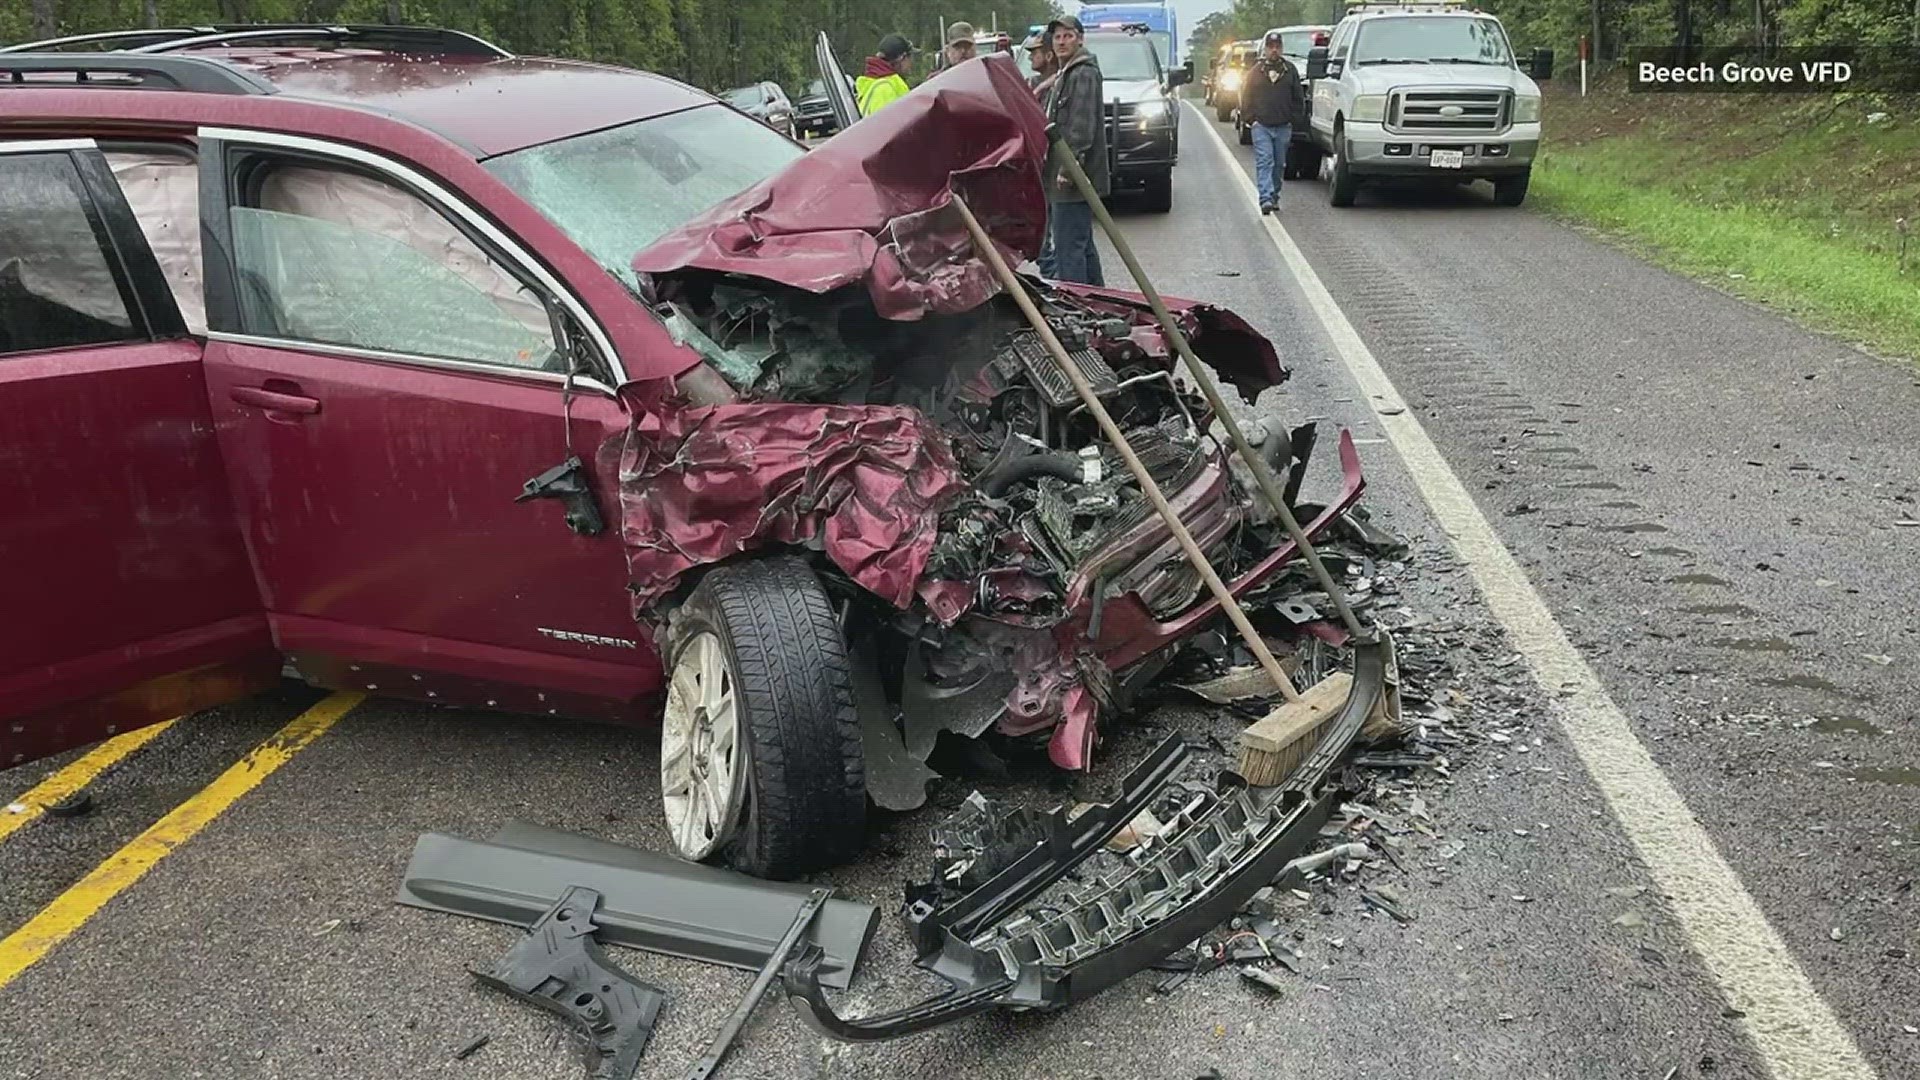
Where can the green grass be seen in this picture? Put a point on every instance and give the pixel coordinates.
(1791, 206)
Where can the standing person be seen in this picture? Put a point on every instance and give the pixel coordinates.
(1045, 66)
(1271, 97)
(960, 47)
(1040, 57)
(1077, 107)
(884, 81)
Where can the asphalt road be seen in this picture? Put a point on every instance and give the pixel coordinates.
(1705, 495)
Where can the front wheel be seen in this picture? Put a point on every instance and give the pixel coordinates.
(1246, 134)
(760, 756)
(1222, 111)
(1342, 185)
(1512, 190)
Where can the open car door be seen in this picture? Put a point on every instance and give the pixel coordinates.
(846, 109)
(127, 592)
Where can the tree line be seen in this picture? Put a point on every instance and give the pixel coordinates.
(1614, 25)
(715, 44)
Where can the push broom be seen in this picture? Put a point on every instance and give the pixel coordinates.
(1276, 744)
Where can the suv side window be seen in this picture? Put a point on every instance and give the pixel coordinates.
(59, 284)
(1342, 41)
(334, 256)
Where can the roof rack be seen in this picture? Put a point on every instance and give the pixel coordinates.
(425, 39)
(123, 71)
(107, 38)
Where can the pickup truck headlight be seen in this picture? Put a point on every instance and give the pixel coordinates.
(1369, 108)
(1230, 81)
(1150, 110)
(1526, 109)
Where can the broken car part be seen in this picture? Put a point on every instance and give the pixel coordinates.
(1269, 485)
(560, 968)
(997, 948)
(1201, 565)
(649, 901)
(567, 482)
(723, 1040)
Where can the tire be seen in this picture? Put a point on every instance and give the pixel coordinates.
(1222, 113)
(1246, 134)
(1342, 185)
(1158, 195)
(1309, 162)
(1512, 190)
(796, 796)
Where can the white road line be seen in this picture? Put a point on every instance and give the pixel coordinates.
(1792, 1027)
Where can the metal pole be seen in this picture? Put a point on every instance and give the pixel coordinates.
(1269, 485)
(1238, 616)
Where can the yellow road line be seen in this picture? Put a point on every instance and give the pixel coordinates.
(78, 774)
(70, 911)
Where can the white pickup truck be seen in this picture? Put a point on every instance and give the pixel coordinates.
(1425, 90)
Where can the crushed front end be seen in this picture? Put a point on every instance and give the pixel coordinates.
(1012, 576)
(868, 393)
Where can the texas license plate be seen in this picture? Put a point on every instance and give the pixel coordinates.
(1448, 159)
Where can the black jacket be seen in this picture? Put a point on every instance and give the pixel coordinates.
(1271, 95)
(1077, 107)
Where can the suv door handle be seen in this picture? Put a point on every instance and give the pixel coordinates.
(274, 401)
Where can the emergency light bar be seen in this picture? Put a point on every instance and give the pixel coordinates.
(1363, 7)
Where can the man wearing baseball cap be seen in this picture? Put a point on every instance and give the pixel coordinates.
(1040, 57)
(884, 81)
(1076, 107)
(1273, 102)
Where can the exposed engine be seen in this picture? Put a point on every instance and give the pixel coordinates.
(1007, 634)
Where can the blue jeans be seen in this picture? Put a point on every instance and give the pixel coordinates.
(1270, 160)
(1074, 256)
(1045, 259)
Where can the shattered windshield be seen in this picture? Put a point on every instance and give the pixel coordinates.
(1416, 39)
(616, 191)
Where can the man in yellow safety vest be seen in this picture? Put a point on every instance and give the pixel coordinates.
(884, 81)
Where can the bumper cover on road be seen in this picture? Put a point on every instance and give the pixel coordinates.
(1225, 845)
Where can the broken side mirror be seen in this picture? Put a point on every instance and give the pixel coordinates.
(1318, 67)
(573, 355)
(1542, 66)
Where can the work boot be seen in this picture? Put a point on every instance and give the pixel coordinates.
(1266, 208)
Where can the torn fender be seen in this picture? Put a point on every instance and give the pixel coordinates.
(700, 486)
(872, 205)
(1222, 339)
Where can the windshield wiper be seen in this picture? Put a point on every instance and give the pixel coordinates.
(1465, 60)
(1389, 60)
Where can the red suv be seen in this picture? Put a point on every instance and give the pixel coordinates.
(380, 355)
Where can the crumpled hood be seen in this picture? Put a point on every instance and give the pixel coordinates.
(872, 205)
